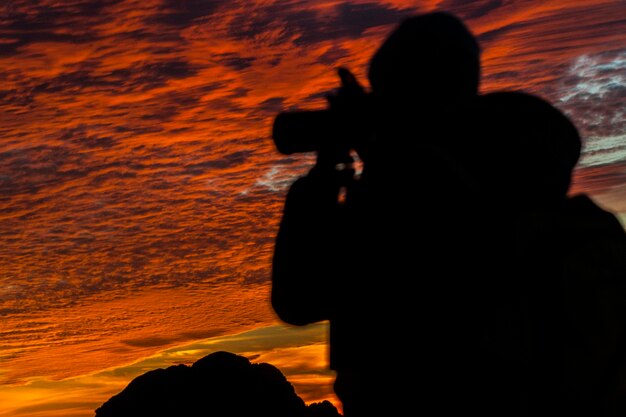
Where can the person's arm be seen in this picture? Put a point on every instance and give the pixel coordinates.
(306, 254)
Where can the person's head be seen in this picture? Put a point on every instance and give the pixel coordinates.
(528, 148)
(428, 58)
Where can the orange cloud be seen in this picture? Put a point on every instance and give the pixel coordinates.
(139, 189)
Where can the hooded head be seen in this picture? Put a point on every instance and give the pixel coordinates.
(431, 58)
(528, 147)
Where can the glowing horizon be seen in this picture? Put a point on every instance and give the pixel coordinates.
(298, 352)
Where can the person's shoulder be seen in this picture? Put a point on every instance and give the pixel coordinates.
(594, 241)
(584, 216)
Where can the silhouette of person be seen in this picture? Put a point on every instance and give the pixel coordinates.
(553, 287)
(391, 260)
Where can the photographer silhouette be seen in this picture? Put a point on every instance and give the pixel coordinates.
(392, 258)
(460, 233)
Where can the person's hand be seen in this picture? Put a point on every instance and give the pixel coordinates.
(350, 96)
(354, 106)
(334, 163)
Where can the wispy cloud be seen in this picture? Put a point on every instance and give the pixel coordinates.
(593, 90)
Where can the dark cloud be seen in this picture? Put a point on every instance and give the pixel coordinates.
(211, 86)
(224, 104)
(555, 26)
(32, 168)
(19, 98)
(285, 17)
(491, 35)
(218, 384)
(227, 161)
(80, 136)
(471, 9)
(20, 39)
(137, 130)
(26, 15)
(157, 74)
(351, 21)
(168, 105)
(154, 36)
(272, 105)
(257, 276)
(139, 77)
(181, 13)
(25, 23)
(234, 61)
(78, 80)
(487, 37)
(40, 18)
(170, 69)
(239, 92)
(332, 55)
(505, 75)
(10, 47)
(162, 114)
(354, 19)
(153, 341)
(309, 26)
(275, 61)
(111, 176)
(95, 7)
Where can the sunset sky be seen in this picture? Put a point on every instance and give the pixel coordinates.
(140, 191)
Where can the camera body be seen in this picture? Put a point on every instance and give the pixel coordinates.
(303, 131)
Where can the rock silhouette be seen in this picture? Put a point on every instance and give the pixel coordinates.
(220, 384)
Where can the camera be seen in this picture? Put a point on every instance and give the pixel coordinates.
(305, 131)
(343, 125)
